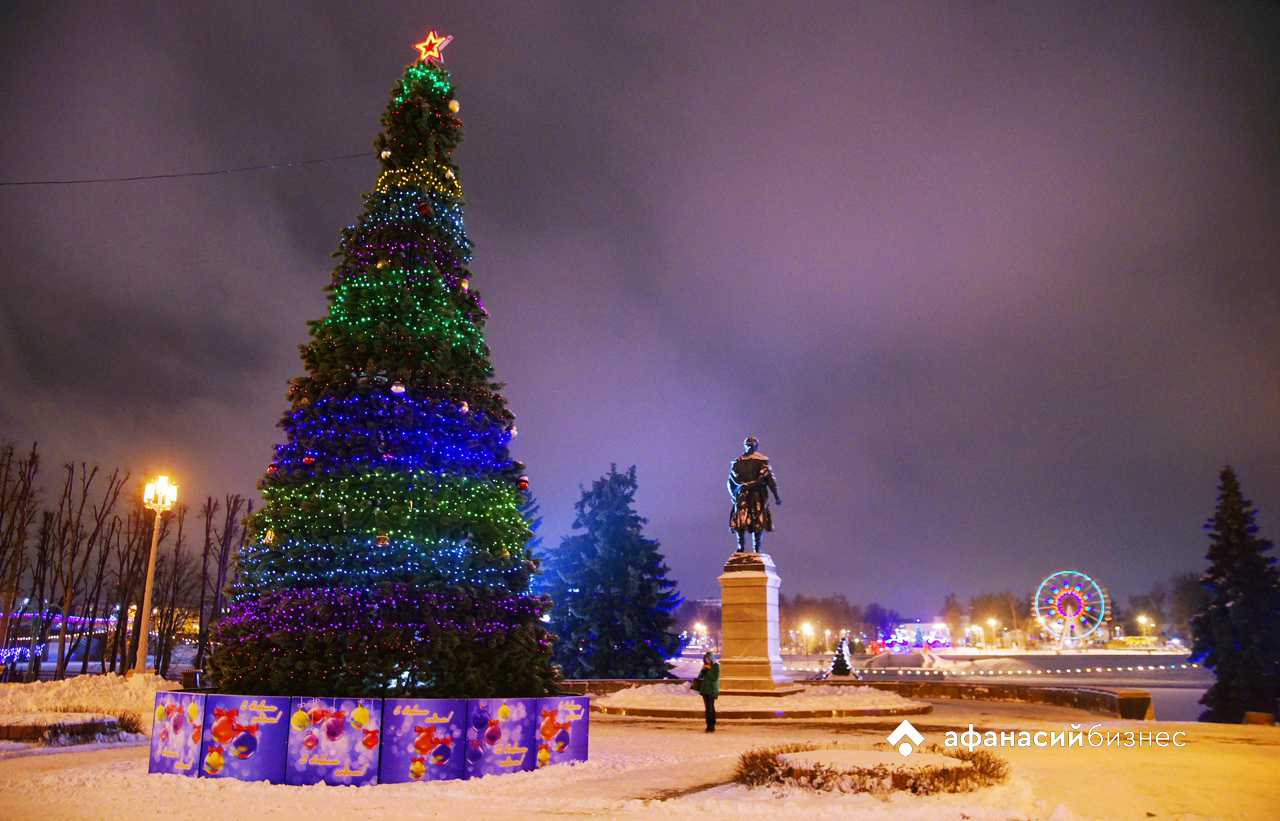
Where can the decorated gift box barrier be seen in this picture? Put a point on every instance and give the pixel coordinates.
(423, 739)
(358, 742)
(500, 735)
(334, 741)
(562, 729)
(245, 737)
(175, 733)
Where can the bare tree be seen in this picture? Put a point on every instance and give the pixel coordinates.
(79, 529)
(94, 596)
(39, 578)
(222, 544)
(175, 584)
(129, 565)
(17, 512)
(207, 513)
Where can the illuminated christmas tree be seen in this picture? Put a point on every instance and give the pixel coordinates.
(390, 557)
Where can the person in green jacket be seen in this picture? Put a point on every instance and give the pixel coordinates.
(709, 686)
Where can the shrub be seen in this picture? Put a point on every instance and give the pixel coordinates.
(765, 767)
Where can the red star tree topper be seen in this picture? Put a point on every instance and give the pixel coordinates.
(430, 47)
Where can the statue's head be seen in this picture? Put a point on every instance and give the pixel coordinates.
(750, 443)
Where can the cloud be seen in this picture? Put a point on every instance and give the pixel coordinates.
(995, 287)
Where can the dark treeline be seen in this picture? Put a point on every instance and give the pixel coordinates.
(812, 623)
(807, 623)
(73, 560)
(1170, 605)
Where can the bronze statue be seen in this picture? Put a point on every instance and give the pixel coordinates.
(750, 481)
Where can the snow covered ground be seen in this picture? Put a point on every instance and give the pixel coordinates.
(814, 697)
(669, 770)
(844, 760)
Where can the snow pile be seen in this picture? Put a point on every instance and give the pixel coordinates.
(678, 696)
(100, 695)
(27, 719)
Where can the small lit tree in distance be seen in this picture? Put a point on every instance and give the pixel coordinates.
(391, 556)
(1237, 633)
(840, 664)
(613, 600)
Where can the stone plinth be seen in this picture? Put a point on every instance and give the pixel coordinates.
(751, 662)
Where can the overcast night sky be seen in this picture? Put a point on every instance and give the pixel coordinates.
(997, 285)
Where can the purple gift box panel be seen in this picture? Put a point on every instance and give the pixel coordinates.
(562, 729)
(245, 737)
(423, 740)
(359, 742)
(175, 733)
(501, 735)
(333, 741)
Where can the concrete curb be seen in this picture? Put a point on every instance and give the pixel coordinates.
(60, 731)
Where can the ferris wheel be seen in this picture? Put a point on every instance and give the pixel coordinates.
(1070, 605)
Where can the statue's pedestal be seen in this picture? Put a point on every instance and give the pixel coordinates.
(750, 661)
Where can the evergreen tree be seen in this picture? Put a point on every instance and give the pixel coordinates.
(1237, 632)
(613, 599)
(390, 558)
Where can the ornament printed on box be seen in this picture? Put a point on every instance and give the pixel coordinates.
(246, 737)
(501, 735)
(333, 741)
(175, 733)
(563, 723)
(423, 740)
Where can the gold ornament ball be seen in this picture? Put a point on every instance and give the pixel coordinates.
(386, 152)
(453, 106)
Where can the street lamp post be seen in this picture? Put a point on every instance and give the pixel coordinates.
(993, 624)
(158, 496)
(1142, 625)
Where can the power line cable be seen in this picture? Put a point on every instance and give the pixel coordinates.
(187, 174)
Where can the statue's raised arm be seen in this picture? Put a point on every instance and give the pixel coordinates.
(750, 482)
